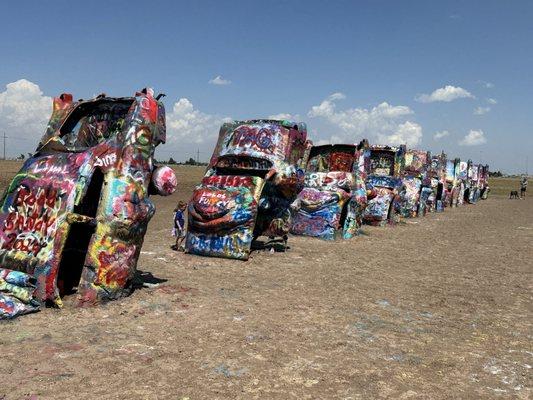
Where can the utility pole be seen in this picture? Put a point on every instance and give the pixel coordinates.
(4, 145)
(198, 156)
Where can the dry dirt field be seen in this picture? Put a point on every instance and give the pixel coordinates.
(436, 308)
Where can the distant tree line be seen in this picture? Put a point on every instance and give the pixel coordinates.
(496, 174)
(171, 161)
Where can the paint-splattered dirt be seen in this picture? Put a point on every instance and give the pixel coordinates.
(440, 308)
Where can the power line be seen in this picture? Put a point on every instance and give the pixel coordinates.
(4, 137)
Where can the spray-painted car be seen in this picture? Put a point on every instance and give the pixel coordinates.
(74, 217)
(437, 178)
(254, 175)
(384, 184)
(334, 196)
(453, 183)
(484, 181)
(416, 183)
(462, 178)
(472, 188)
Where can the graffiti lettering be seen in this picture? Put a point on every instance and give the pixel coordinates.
(106, 161)
(249, 136)
(43, 166)
(33, 211)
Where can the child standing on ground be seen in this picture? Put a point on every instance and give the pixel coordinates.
(179, 225)
(523, 187)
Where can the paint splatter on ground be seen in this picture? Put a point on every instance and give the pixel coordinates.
(434, 310)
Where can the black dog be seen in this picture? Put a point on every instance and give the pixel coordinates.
(514, 194)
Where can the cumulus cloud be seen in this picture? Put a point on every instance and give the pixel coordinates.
(473, 138)
(441, 134)
(446, 94)
(24, 111)
(384, 123)
(409, 133)
(218, 80)
(492, 101)
(481, 110)
(187, 124)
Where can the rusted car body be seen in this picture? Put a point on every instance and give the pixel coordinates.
(334, 196)
(416, 183)
(384, 184)
(74, 217)
(254, 175)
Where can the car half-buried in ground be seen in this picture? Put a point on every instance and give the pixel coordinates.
(384, 184)
(254, 175)
(484, 181)
(452, 189)
(74, 217)
(437, 179)
(334, 197)
(416, 183)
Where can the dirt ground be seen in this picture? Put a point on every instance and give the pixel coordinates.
(436, 308)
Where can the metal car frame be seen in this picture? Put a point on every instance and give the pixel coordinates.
(384, 184)
(75, 215)
(334, 196)
(255, 173)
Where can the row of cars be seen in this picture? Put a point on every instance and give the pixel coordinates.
(265, 178)
(73, 219)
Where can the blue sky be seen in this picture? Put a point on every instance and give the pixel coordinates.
(350, 69)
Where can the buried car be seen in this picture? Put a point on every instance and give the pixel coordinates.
(453, 184)
(334, 195)
(254, 175)
(74, 217)
(383, 184)
(416, 183)
(472, 188)
(484, 181)
(437, 182)
(462, 178)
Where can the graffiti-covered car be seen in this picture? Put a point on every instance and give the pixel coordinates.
(453, 183)
(334, 194)
(74, 217)
(462, 180)
(484, 181)
(472, 190)
(437, 182)
(254, 175)
(416, 183)
(384, 184)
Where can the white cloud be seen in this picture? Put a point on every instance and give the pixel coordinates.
(384, 122)
(488, 85)
(337, 96)
(492, 101)
(409, 133)
(481, 110)
(447, 93)
(189, 125)
(473, 138)
(439, 135)
(24, 112)
(285, 116)
(218, 80)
